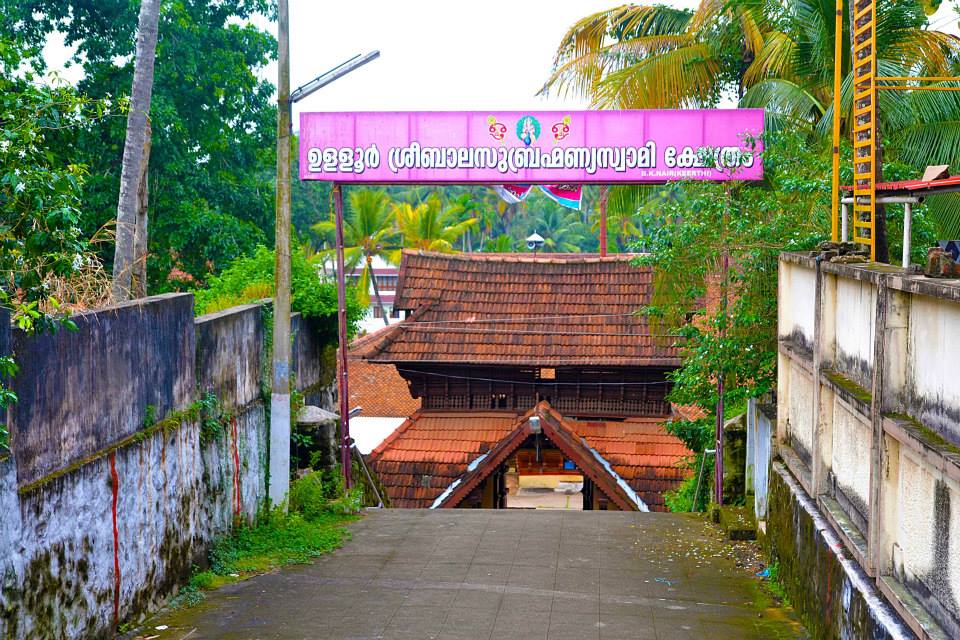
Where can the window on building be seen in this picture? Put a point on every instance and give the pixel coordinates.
(387, 283)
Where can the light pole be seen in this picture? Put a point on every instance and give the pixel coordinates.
(280, 389)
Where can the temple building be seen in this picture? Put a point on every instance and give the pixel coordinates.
(538, 385)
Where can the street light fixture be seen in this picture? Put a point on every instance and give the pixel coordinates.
(336, 73)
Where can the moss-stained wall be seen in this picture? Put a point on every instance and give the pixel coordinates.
(831, 593)
(82, 390)
(103, 526)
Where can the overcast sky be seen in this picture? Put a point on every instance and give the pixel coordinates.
(435, 54)
(438, 54)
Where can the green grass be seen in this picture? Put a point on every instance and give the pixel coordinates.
(314, 525)
(775, 584)
(279, 540)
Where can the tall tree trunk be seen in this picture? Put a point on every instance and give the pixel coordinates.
(133, 149)
(376, 290)
(140, 237)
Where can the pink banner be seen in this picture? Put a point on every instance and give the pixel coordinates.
(537, 147)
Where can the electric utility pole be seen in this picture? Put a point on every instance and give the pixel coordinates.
(280, 395)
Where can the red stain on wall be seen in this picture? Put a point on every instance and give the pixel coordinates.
(115, 487)
(237, 501)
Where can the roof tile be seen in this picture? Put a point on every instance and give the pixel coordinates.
(432, 449)
(560, 309)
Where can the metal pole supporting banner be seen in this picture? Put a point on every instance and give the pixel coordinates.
(342, 390)
(603, 221)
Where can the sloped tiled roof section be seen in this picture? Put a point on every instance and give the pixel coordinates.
(419, 460)
(380, 390)
(551, 310)
(641, 451)
(574, 448)
(432, 450)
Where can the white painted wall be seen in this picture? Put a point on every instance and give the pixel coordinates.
(922, 380)
(801, 407)
(855, 326)
(852, 439)
(915, 527)
(798, 287)
(933, 358)
(369, 432)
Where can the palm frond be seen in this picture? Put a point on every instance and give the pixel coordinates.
(945, 212)
(775, 59)
(929, 53)
(684, 77)
(786, 103)
(583, 58)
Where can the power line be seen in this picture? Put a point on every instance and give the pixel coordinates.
(534, 383)
(484, 331)
(508, 319)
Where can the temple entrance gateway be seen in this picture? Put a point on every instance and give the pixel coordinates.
(512, 150)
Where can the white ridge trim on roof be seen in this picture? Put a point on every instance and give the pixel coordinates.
(641, 505)
(456, 483)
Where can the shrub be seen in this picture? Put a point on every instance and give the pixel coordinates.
(250, 278)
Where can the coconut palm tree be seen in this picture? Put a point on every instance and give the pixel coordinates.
(655, 57)
(562, 229)
(766, 54)
(793, 80)
(368, 232)
(500, 244)
(428, 227)
(131, 207)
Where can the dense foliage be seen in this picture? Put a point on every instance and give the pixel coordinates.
(250, 278)
(687, 236)
(776, 55)
(213, 152)
(41, 243)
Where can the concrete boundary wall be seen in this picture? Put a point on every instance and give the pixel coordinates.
(113, 517)
(825, 584)
(80, 391)
(880, 397)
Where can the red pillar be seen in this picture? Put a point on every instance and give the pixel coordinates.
(345, 458)
(603, 221)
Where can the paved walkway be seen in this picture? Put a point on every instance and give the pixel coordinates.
(467, 575)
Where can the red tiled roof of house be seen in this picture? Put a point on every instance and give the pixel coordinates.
(688, 412)
(554, 309)
(423, 457)
(380, 390)
(431, 450)
(642, 452)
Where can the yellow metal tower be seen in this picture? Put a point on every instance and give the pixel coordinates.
(866, 84)
(864, 35)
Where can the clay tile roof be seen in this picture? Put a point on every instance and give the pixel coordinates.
(557, 309)
(688, 412)
(419, 460)
(431, 450)
(642, 452)
(380, 390)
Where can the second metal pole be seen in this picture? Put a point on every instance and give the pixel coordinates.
(342, 390)
(603, 221)
(907, 223)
